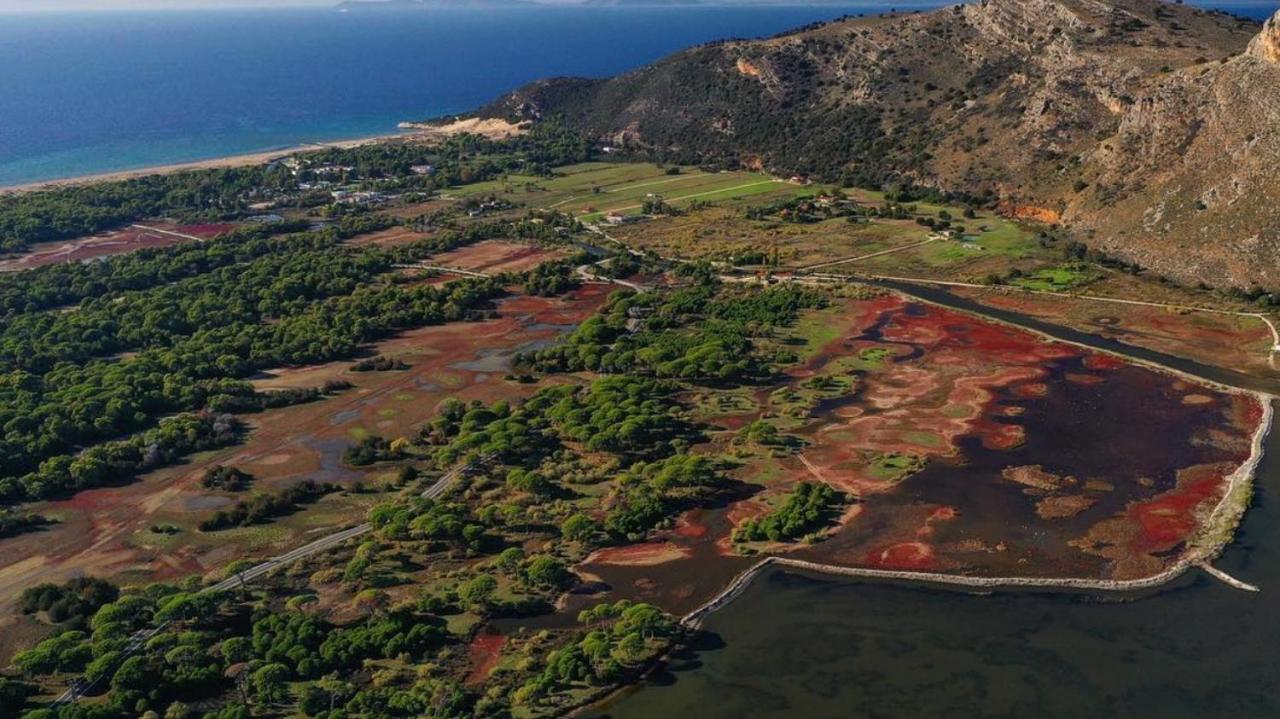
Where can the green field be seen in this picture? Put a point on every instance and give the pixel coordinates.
(595, 188)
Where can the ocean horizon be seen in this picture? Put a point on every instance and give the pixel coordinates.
(98, 92)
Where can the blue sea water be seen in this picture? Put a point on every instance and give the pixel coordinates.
(84, 93)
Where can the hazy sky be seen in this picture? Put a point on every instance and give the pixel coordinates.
(52, 5)
(55, 5)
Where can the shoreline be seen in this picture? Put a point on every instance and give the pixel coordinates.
(494, 129)
(222, 162)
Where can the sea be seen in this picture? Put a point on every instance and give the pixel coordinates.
(93, 92)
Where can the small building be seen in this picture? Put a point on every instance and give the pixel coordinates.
(269, 219)
(615, 218)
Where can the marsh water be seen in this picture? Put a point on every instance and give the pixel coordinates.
(796, 645)
(945, 298)
(801, 645)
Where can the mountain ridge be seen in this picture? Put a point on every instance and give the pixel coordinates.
(1101, 114)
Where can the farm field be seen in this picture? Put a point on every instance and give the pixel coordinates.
(724, 234)
(992, 245)
(390, 237)
(108, 531)
(591, 190)
(870, 245)
(161, 234)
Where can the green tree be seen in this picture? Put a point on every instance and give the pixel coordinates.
(578, 528)
(270, 684)
(478, 592)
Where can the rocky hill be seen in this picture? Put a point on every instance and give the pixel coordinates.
(1149, 128)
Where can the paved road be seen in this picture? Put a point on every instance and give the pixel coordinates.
(442, 268)
(171, 233)
(846, 260)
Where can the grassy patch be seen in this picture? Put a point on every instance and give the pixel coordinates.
(1057, 278)
(895, 467)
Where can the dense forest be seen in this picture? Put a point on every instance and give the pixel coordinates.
(177, 330)
(119, 366)
(579, 464)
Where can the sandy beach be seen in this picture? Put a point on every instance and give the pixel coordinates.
(252, 158)
(421, 132)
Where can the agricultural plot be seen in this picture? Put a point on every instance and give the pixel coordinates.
(390, 237)
(496, 256)
(592, 190)
(1001, 247)
(725, 234)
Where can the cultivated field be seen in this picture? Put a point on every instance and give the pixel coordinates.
(497, 256)
(591, 190)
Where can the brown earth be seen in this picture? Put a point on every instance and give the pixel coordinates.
(496, 256)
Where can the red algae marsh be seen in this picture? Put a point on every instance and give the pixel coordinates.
(803, 644)
(1048, 461)
(1030, 460)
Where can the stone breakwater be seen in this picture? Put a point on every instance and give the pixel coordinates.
(1213, 536)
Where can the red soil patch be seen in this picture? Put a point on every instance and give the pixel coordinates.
(904, 555)
(484, 653)
(207, 231)
(1031, 390)
(390, 237)
(639, 555)
(110, 243)
(942, 514)
(494, 256)
(1101, 361)
(1250, 411)
(1170, 518)
(689, 526)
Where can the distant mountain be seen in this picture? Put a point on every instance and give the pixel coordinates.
(367, 5)
(1152, 129)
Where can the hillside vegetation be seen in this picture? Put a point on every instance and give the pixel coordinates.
(1143, 125)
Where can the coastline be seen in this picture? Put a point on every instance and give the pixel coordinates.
(240, 160)
(1217, 531)
(431, 131)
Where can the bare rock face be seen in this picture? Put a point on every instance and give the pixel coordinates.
(1266, 46)
(1189, 185)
